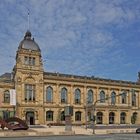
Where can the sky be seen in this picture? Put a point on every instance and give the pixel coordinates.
(98, 38)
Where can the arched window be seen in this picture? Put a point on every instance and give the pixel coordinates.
(62, 116)
(122, 118)
(6, 96)
(90, 96)
(102, 97)
(123, 98)
(77, 96)
(49, 116)
(113, 98)
(99, 118)
(78, 116)
(134, 117)
(111, 117)
(133, 99)
(49, 94)
(63, 95)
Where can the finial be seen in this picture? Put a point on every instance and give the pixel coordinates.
(28, 35)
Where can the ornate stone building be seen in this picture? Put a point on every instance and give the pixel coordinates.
(42, 96)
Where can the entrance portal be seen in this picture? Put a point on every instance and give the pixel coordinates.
(30, 118)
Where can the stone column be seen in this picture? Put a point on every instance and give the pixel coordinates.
(129, 99)
(106, 117)
(128, 117)
(85, 105)
(117, 117)
(56, 98)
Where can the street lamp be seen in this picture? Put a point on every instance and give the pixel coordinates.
(93, 110)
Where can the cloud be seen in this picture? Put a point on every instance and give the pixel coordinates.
(107, 12)
(77, 36)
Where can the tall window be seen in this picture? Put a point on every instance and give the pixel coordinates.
(29, 92)
(62, 116)
(102, 97)
(6, 96)
(123, 98)
(6, 114)
(49, 94)
(133, 99)
(111, 117)
(99, 117)
(63, 95)
(90, 96)
(78, 116)
(77, 96)
(49, 116)
(29, 60)
(113, 98)
(123, 118)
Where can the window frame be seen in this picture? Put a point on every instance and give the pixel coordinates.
(49, 93)
(30, 91)
(77, 96)
(49, 115)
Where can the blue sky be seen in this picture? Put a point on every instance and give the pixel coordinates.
(98, 38)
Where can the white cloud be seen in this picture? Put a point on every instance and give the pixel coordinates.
(107, 12)
(74, 35)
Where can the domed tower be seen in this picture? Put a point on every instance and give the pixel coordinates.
(29, 54)
(28, 77)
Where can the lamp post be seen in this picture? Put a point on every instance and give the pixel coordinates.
(94, 107)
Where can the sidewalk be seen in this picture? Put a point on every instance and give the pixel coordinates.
(60, 130)
(44, 130)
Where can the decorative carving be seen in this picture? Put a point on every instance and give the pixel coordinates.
(19, 79)
(30, 75)
(41, 81)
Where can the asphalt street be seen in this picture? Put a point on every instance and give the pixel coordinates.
(95, 137)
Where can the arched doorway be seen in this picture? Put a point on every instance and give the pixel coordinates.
(30, 118)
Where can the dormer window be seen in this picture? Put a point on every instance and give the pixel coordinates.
(29, 61)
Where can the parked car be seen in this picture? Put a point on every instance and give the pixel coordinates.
(138, 130)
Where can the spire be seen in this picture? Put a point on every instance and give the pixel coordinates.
(28, 19)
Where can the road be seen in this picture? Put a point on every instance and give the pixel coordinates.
(95, 137)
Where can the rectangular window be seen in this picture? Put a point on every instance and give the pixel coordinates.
(29, 61)
(49, 116)
(26, 60)
(33, 61)
(29, 92)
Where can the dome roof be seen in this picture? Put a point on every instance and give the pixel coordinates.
(28, 42)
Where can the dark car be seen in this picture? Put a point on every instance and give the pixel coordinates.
(138, 130)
